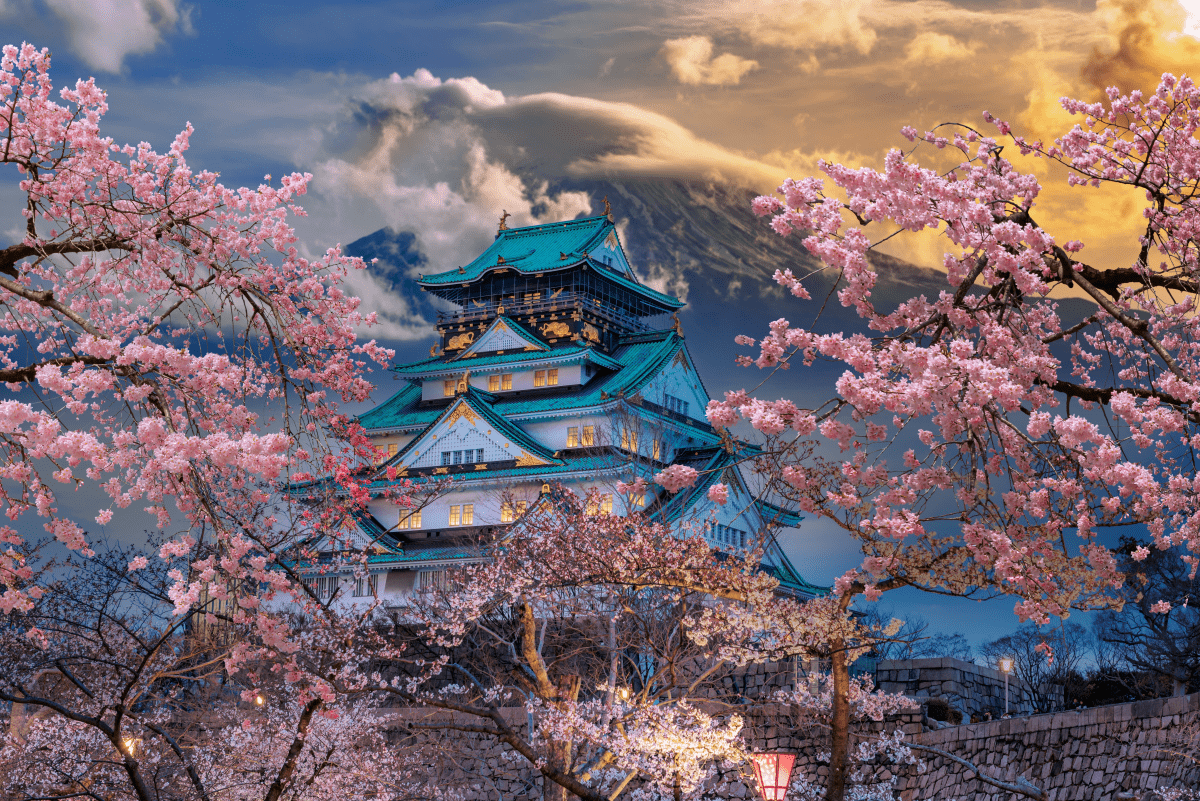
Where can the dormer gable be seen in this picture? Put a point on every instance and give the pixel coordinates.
(469, 432)
(504, 335)
(610, 254)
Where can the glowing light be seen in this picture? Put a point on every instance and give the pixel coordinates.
(773, 772)
(258, 699)
(1006, 664)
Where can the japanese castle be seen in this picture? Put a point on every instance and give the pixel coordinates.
(557, 367)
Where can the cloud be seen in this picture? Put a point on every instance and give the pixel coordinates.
(929, 48)
(691, 60)
(104, 32)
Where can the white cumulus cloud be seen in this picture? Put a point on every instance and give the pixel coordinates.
(691, 60)
(104, 32)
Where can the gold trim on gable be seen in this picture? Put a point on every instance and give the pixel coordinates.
(462, 410)
(529, 460)
(442, 470)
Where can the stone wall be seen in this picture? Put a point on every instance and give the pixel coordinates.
(977, 692)
(1088, 755)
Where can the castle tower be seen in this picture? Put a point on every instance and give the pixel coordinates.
(558, 365)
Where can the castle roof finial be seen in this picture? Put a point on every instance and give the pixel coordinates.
(607, 209)
(503, 222)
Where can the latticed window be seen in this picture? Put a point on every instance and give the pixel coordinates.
(521, 507)
(589, 436)
(431, 579)
(412, 520)
(539, 378)
(448, 388)
(455, 515)
(573, 437)
(506, 382)
(468, 514)
(629, 439)
(592, 507)
(552, 377)
(506, 512)
(493, 383)
(366, 585)
(606, 504)
(658, 449)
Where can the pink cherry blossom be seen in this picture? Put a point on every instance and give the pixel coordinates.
(718, 494)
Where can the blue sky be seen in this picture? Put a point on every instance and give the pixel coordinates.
(433, 117)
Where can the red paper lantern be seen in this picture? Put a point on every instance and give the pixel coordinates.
(773, 772)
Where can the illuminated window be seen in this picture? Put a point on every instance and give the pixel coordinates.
(657, 449)
(381, 453)
(521, 507)
(552, 377)
(539, 378)
(629, 439)
(448, 388)
(591, 507)
(606, 504)
(639, 500)
(573, 437)
(412, 520)
(589, 436)
(493, 383)
(506, 512)
(506, 382)
(393, 448)
(468, 514)
(455, 515)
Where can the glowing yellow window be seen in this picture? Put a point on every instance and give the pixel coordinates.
(412, 520)
(640, 500)
(657, 449)
(573, 437)
(455, 515)
(606, 504)
(589, 436)
(591, 507)
(393, 448)
(552, 377)
(521, 507)
(506, 512)
(448, 388)
(493, 383)
(468, 514)
(539, 378)
(506, 382)
(629, 439)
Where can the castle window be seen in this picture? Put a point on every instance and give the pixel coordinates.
(478, 456)
(366, 585)
(393, 448)
(552, 377)
(573, 437)
(658, 449)
(468, 514)
(629, 439)
(506, 382)
(539, 378)
(493, 383)
(677, 405)
(448, 388)
(431, 580)
(589, 436)
(445, 458)
(458, 457)
(521, 507)
(606, 504)
(455, 515)
(506, 512)
(412, 520)
(592, 507)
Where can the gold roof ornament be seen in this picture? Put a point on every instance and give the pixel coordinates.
(503, 222)
(464, 382)
(435, 350)
(677, 325)
(607, 209)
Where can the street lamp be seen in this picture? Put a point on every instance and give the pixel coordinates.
(1006, 666)
(773, 772)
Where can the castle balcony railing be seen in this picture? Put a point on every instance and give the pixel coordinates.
(474, 310)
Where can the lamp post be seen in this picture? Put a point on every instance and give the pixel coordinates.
(773, 772)
(1006, 666)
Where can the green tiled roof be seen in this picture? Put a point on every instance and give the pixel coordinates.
(591, 464)
(546, 248)
(441, 364)
(518, 330)
(481, 403)
(640, 357)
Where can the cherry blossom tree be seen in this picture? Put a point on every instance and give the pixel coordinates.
(977, 442)
(167, 341)
(619, 640)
